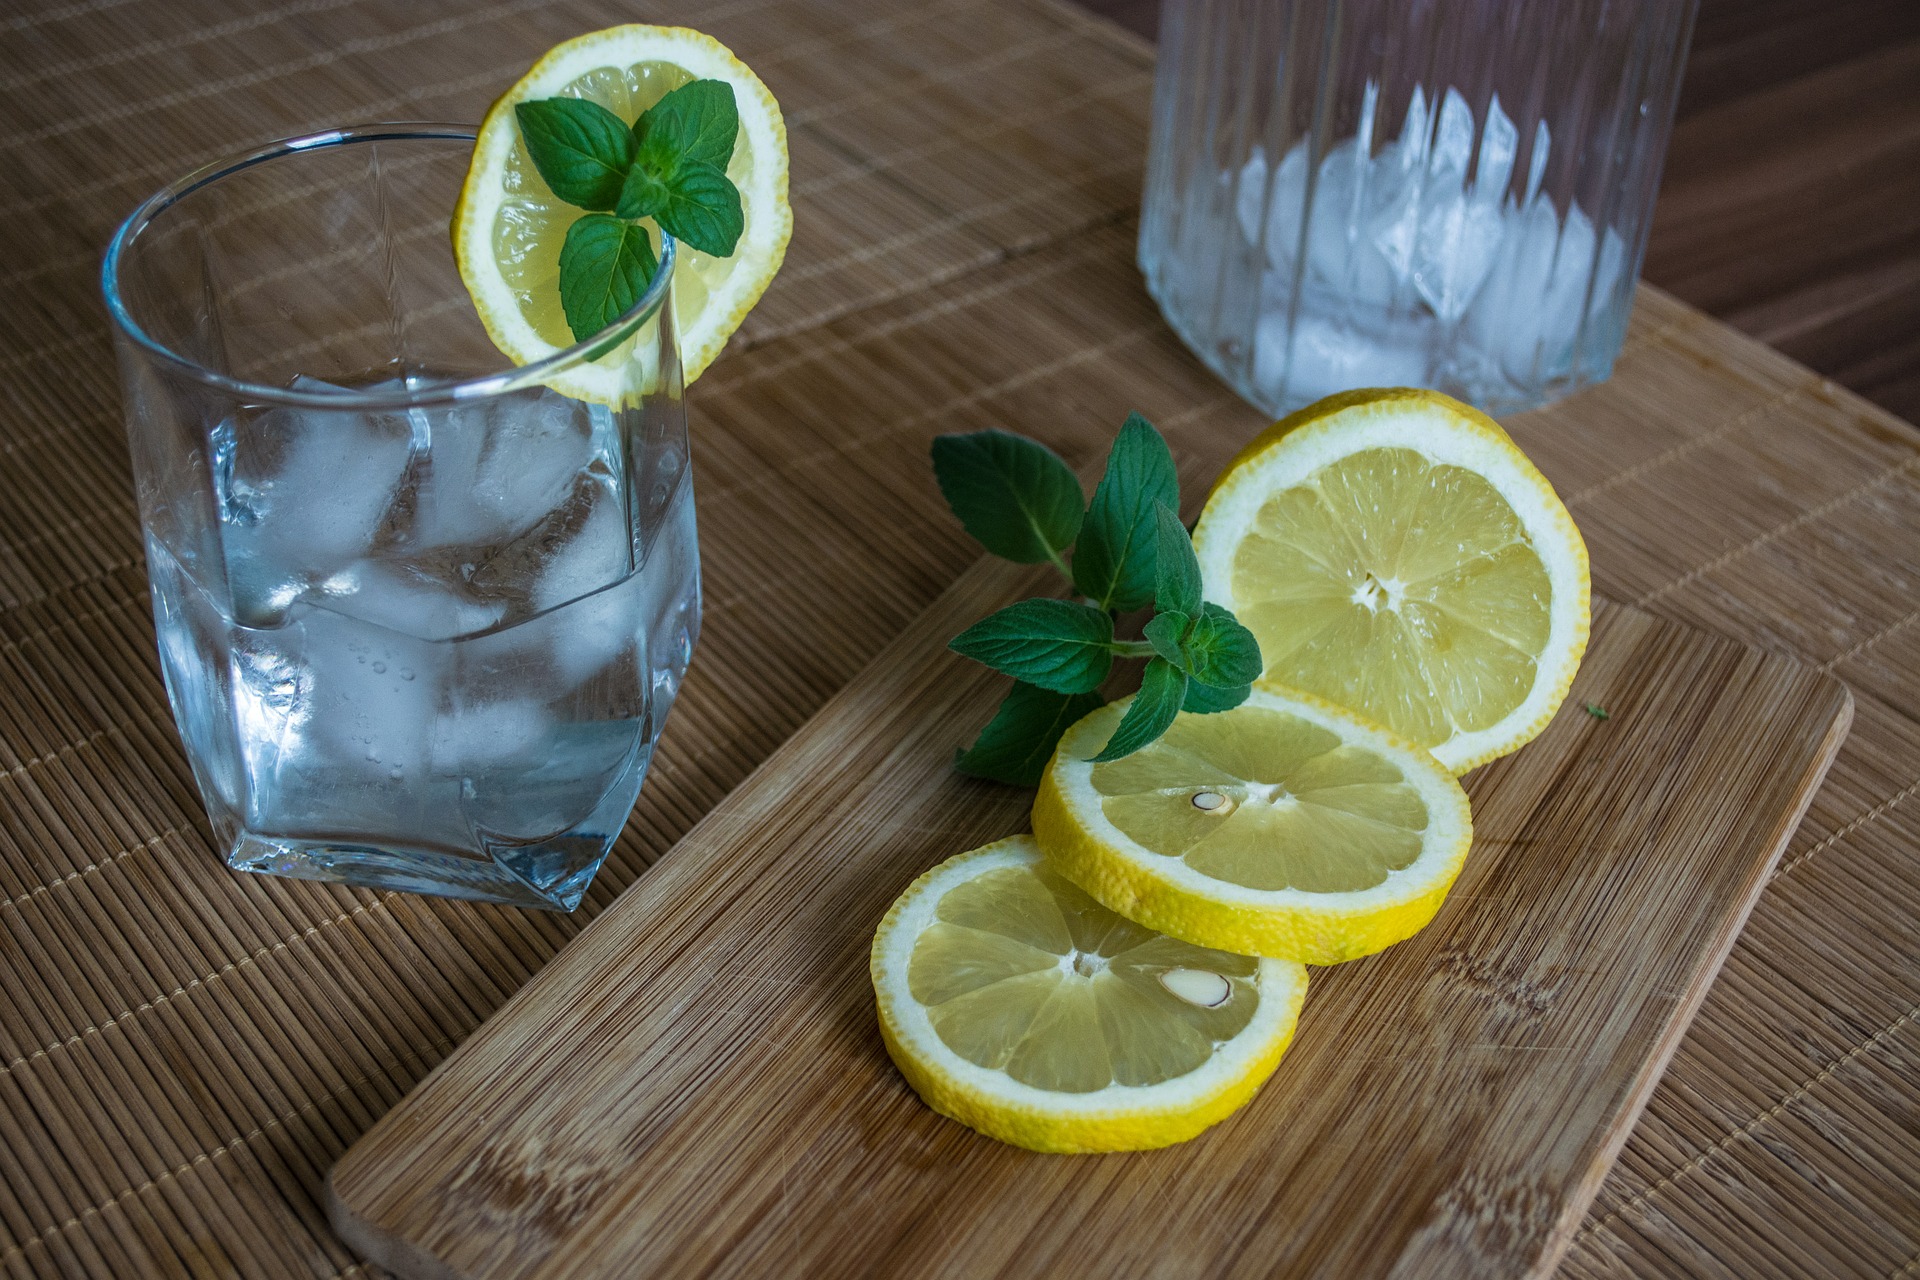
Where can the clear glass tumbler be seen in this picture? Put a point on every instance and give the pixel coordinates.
(1442, 193)
(421, 617)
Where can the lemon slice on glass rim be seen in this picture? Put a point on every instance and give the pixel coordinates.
(508, 228)
(1285, 827)
(1015, 1004)
(1396, 554)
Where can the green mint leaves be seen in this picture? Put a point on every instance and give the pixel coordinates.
(1055, 644)
(1014, 495)
(1113, 563)
(605, 264)
(680, 178)
(1129, 551)
(1019, 740)
(582, 150)
(670, 166)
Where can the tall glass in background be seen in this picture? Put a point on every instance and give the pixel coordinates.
(1443, 193)
(421, 617)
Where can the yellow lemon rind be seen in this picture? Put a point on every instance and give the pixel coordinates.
(1446, 430)
(1118, 1118)
(1166, 895)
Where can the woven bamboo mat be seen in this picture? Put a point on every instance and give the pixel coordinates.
(183, 1051)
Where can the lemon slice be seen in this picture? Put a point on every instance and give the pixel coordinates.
(1017, 1005)
(1286, 827)
(1396, 554)
(508, 228)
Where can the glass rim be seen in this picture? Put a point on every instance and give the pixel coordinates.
(537, 373)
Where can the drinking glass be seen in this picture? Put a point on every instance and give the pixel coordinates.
(1441, 193)
(421, 617)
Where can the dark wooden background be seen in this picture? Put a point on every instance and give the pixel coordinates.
(1791, 203)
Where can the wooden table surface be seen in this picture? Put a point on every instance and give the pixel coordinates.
(1790, 206)
(184, 1051)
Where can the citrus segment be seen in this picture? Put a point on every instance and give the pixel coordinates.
(1018, 1005)
(1396, 554)
(1286, 827)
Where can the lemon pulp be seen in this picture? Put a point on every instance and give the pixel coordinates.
(1024, 974)
(1016, 1004)
(1400, 587)
(1396, 554)
(1267, 800)
(1287, 827)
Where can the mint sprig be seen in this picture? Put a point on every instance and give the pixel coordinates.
(1128, 551)
(670, 165)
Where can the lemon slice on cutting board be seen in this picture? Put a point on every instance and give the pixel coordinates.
(1285, 827)
(1015, 1004)
(1396, 554)
(508, 227)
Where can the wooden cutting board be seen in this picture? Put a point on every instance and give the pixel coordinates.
(695, 1086)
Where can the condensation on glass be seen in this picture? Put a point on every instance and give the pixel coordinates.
(1443, 193)
(420, 616)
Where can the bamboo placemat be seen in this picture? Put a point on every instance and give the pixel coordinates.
(183, 1051)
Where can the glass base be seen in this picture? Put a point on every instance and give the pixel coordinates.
(502, 879)
(550, 874)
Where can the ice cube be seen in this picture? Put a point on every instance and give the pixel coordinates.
(371, 703)
(1412, 152)
(1393, 217)
(581, 546)
(590, 634)
(1458, 242)
(1283, 199)
(598, 553)
(1499, 143)
(490, 734)
(1537, 162)
(492, 473)
(326, 500)
(1250, 194)
(1324, 354)
(400, 597)
(534, 450)
(444, 512)
(1340, 250)
(1548, 277)
(1369, 107)
(1452, 139)
(650, 617)
(1459, 231)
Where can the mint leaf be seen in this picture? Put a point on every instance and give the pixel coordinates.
(1015, 746)
(697, 122)
(1165, 631)
(1055, 644)
(1205, 699)
(1113, 561)
(696, 203)
(581, 149)
(1176, 570)
(702, 209)
(1163, 687)
(1014, 495)
(679, 177)
(1221, 652)
(644, 193)
(605, 267)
